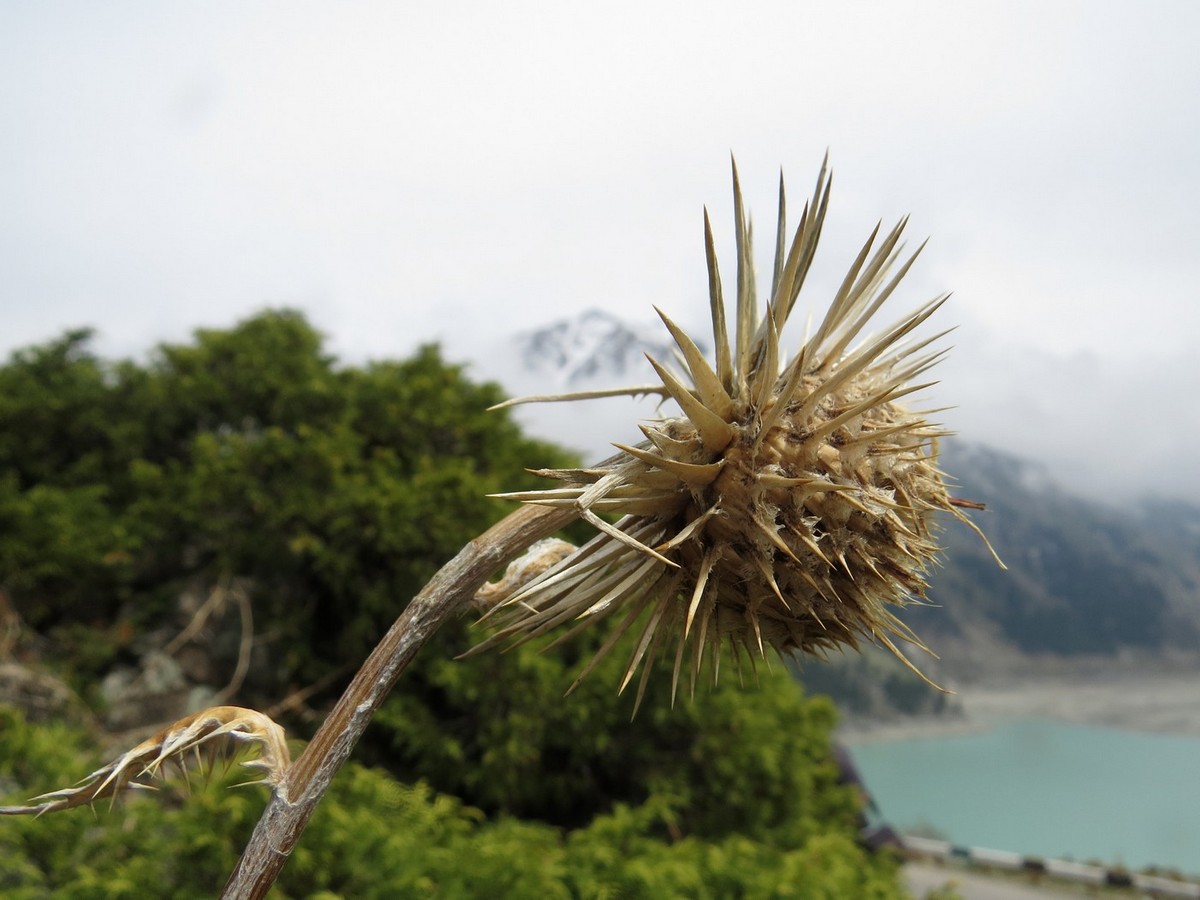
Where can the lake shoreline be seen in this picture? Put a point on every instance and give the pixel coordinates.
(1156, 702)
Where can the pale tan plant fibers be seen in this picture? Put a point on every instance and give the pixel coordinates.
(197, 740)
(536, 560)
(792, 504)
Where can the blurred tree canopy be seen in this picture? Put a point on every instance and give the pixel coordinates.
(333, 493)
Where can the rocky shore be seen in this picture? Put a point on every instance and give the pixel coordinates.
(1162, 702)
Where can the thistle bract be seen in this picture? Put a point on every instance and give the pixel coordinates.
(791, 505)
(211, 734)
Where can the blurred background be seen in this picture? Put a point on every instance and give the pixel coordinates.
(519, 183)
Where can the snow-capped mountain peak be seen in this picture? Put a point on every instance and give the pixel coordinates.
(594, 346)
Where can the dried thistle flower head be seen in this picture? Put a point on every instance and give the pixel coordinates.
(791, 505)
(198, 739)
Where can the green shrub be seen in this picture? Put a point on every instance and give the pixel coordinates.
(333, 493)
(375, 837)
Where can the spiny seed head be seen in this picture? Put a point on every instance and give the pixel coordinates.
(790, 505)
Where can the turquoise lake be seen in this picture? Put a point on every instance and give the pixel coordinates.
(1048, 789)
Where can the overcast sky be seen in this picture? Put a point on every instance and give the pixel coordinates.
(414, 171)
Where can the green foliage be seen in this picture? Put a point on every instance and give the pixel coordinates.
(158, 844)
(374, 837)
(333, 493)
(753, 761)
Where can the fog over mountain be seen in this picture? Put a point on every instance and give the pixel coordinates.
(1090, 431)
(1087, 577)
(593, 351)
(582, 351)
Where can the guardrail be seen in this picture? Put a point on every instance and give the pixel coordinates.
(1060, 869)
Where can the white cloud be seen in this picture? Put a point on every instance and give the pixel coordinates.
(414, 171)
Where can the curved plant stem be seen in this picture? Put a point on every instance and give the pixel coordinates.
(284, 819)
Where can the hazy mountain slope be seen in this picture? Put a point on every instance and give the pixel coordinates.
(1082, 578)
